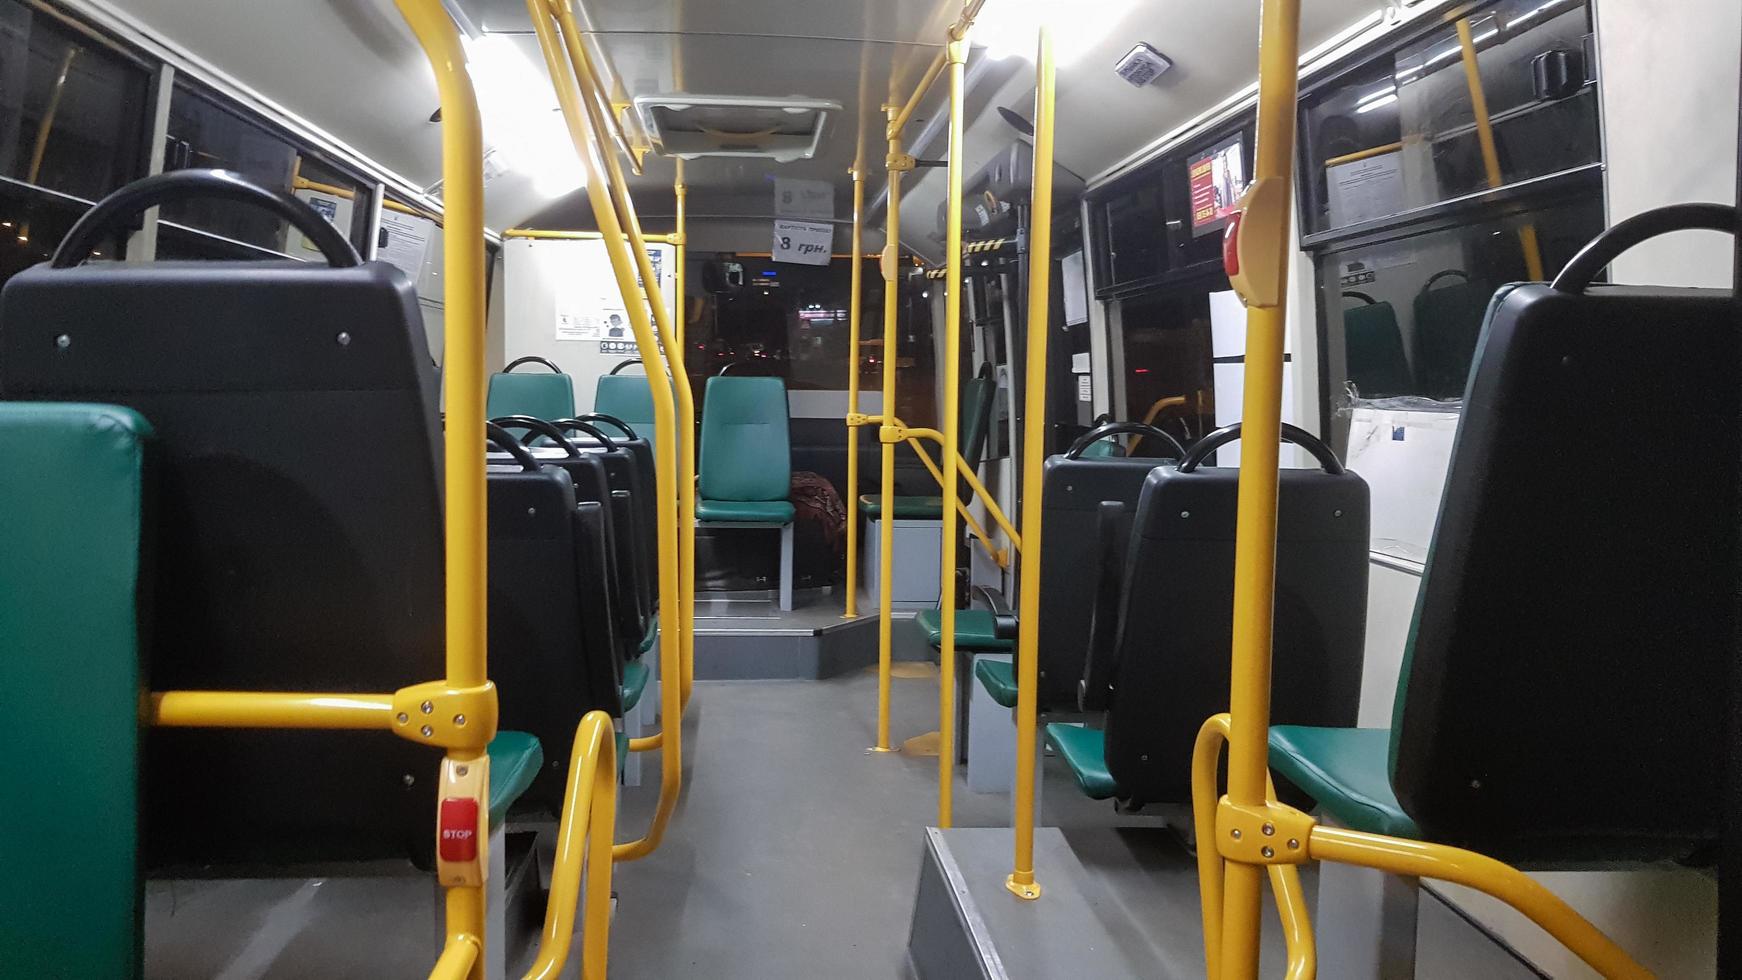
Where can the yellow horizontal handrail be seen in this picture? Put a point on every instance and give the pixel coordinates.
(992, 552)
(269, 709)
(672, 238)
(967, 473)
(899, 122)
(589, 821)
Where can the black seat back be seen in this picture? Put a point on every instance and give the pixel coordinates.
(1559, 698)
(299, 543)
(1074, 488)
(628, 467)
(1174, 637)
(552, 646)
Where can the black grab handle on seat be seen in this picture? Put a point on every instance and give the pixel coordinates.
(1100, 432)
(536, 426)
(623, 364)
(1290, 433)
(582, 425)
(610, 420)
(532, 359)
(1603, 249)
(510, 445)
(181, 185)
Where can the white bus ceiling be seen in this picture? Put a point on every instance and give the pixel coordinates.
(351, 69)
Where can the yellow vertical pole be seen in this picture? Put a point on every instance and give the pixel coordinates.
(951, 373)
(676, 353)
(1265, 224)
(896, 163)
(1485, 139)
(1021, 880)
(682, 618)
(463, 467)
(574, 87)
(853, 320)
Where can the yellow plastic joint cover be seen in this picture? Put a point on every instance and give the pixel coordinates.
(1272, 833)
(435, 713)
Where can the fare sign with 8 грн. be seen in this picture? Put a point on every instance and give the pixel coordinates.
(804, 242)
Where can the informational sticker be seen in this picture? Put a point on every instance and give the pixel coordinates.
(404, 241)
(337, 211)
(1364, 189)
(795, 198)
(1218, 178)
(803, 242)
(1085, 388)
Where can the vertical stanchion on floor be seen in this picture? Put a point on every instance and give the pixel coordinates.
(463, 472)
(851, 611)
(896, 163)
(1021, 881)
(1259, 230)
(952, 411)
(680, 379)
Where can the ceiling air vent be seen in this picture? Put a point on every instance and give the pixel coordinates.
(687, 125)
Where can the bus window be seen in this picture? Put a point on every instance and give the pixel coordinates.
(71, 112)
(1401, 131)
(1167, 372)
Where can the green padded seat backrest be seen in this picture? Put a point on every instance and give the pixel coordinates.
(1374, 351)
(1448, 320)
(976, 419)
(626, 397)
(72, 495)
(542, 396)
(746, 449)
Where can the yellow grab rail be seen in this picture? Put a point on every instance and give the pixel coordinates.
(589, 819)
(598, 107)
(460, 955)
(856, 292)
(267, 709)
(577, 236)
(958, 58)
(570, 78)
(896, 163)
(1485, 140)
(1021, 881)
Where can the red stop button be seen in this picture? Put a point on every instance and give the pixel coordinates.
(1231, 245)
(457, 830)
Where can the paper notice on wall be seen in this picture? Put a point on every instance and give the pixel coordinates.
(1362, 190)
(795, 198)
(404, 241)
(337, 211)
(803, 242)
(1085, 388)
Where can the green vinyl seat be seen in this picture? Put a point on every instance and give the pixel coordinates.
(651, 637)
(515, 759)
(1374, 349)
(976, 630)
(1344, 769)
(626, 397)
(540, 395)
(71, 612)
(998, 677)
(744, 473)
(770, 512)
(635, 675)
(1084, 751)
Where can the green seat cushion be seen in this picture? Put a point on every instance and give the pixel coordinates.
(1085, 751)
(745, 451)
(871, 505)
(974, 630)
(998, 677)
(634, 683)
(1347, 771)
(542, 396)
(771, 512)
(651, 637)
(72, 490)
(515, 758)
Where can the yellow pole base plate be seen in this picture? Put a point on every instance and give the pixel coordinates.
(1028, 891)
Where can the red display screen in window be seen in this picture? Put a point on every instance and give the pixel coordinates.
(1218, 178)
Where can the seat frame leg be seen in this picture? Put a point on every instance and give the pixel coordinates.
(634, 726)
(786, 536)
(496, 907)
(1367, 922)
